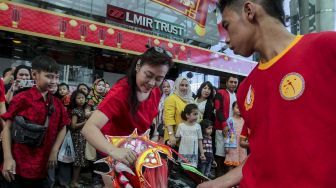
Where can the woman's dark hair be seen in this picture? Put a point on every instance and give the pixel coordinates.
(199, 91)
(188, 110)
(22, 67)
(74, 94)
(82, 84)
(154, 56)
(205, 123)
(45, 63)
(273, 8)
(234, 104)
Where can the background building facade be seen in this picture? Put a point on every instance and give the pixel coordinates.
(308, 16)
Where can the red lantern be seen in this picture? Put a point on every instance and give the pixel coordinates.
(188, 54)
(101, 36)
(176, 51)
(15, 17)
(119, 40)
(63, 28)
(83, 32)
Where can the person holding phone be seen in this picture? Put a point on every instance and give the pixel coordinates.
(22, 77)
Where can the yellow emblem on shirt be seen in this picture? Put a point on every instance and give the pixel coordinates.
(249, 100)
(292, 86)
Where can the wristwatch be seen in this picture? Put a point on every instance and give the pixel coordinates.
(170, 133)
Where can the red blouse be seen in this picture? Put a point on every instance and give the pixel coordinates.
(2, 91)
(116, 107)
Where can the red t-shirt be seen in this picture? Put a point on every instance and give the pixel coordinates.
(116, 107)
(2, 91)
(289, 106)
(31, 162)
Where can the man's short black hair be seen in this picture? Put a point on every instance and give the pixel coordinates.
(273, 8)
(231, 76)
(45, 63)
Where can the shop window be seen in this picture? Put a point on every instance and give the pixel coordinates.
(196, 79)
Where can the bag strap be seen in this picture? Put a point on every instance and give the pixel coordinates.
(50, 110)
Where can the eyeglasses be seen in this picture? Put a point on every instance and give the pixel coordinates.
(161, 50)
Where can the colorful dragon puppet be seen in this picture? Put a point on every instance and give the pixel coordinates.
(148, 156)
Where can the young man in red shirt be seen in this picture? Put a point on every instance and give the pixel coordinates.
(223, 104)
(26, 166)
(287, 101)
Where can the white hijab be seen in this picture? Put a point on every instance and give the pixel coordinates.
(164, 96)
(186, 98)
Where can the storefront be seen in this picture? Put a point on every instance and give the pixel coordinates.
(97, 45)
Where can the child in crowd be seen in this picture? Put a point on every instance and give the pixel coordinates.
(243, 140)
(205, 164)
(78, 120)
(234, 153)
(84, 88)
(25, 164)
(64, 91)
(190, 133)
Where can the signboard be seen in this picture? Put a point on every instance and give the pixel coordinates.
(196, 10)
(128, 17)
(28, 20)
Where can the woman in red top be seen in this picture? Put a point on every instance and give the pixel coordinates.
(131, 103)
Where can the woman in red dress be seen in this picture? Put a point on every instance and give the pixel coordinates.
(132, 103)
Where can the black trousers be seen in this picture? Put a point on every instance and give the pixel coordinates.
(21, 182)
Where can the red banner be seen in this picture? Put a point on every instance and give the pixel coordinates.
(19, 18)
(196, 10)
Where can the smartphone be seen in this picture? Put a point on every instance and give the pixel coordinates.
(27, 83)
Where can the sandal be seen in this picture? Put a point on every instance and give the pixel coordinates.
(76, 185)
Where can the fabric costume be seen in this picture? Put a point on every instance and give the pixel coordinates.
(288, 104)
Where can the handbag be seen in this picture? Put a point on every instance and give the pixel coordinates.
(29, 133)
(67, 151)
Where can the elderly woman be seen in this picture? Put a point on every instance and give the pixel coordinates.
(167, 89)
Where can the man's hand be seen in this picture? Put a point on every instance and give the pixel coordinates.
(52, 161)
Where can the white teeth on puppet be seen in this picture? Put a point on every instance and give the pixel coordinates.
(123, 179)
(128, 186)
(120, 167)
(153, 161)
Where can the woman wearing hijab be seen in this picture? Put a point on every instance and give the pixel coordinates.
(173, 107)
(95, 96)
(167, 89)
